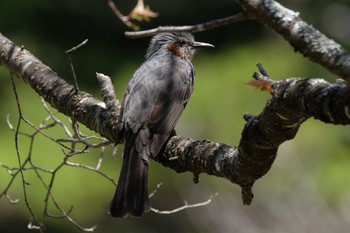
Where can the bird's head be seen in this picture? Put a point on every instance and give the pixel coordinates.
(181, 44)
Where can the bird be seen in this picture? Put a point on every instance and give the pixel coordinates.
(154, 100)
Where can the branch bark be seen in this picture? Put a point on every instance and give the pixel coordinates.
(294, 101)
(302, 36)
(80, 106)
(190, 28)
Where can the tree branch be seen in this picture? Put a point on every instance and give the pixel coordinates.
(139, 13)
(80, 106)
(191, 28)
(302, 36)
(294, 100)
(185, 206)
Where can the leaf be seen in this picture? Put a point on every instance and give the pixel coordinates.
(142, 12)
(263, 85)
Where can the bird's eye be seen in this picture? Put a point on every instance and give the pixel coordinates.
(182, 42)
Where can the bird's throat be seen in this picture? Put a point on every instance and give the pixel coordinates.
(175, 49)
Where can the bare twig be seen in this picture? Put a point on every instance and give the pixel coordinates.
(50, 195)
(124, 19)
(70, 63)
(141, 12)
(55, 119)
(9, 124)
(32, 226)
(77, 46)
(12, 201)
(83, 139)
(191, 28)
(156, 190)
(20, 165)
(28, 164)
(185, 206)
(71, 164)
(99, 162)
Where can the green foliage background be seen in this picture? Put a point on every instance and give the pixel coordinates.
(305, 191)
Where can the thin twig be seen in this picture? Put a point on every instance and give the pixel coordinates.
(191, 28)
(64, 213)
(9, 124)
(70, 63)
(71, 164)
(49, 188)
(156, 190)
(185, 206)
(32, 226)
(100, 159)
(124, 19)
(83, 138)
(24, 183)
(38, 130)
(55, 119)
(28, 164)
(12, 201)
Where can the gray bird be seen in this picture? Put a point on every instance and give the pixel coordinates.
(153, 102)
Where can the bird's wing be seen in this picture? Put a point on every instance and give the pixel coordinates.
(175, 90)
(169, 105)
(138, 103)
(156, 98)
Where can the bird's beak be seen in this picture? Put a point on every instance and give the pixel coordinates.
(198, 45)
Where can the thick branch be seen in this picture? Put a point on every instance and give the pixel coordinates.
(301, 35)
(293, 102)
(82, 106)
(261, 137)
(317, 98)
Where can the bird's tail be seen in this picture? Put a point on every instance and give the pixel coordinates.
(131, 196)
